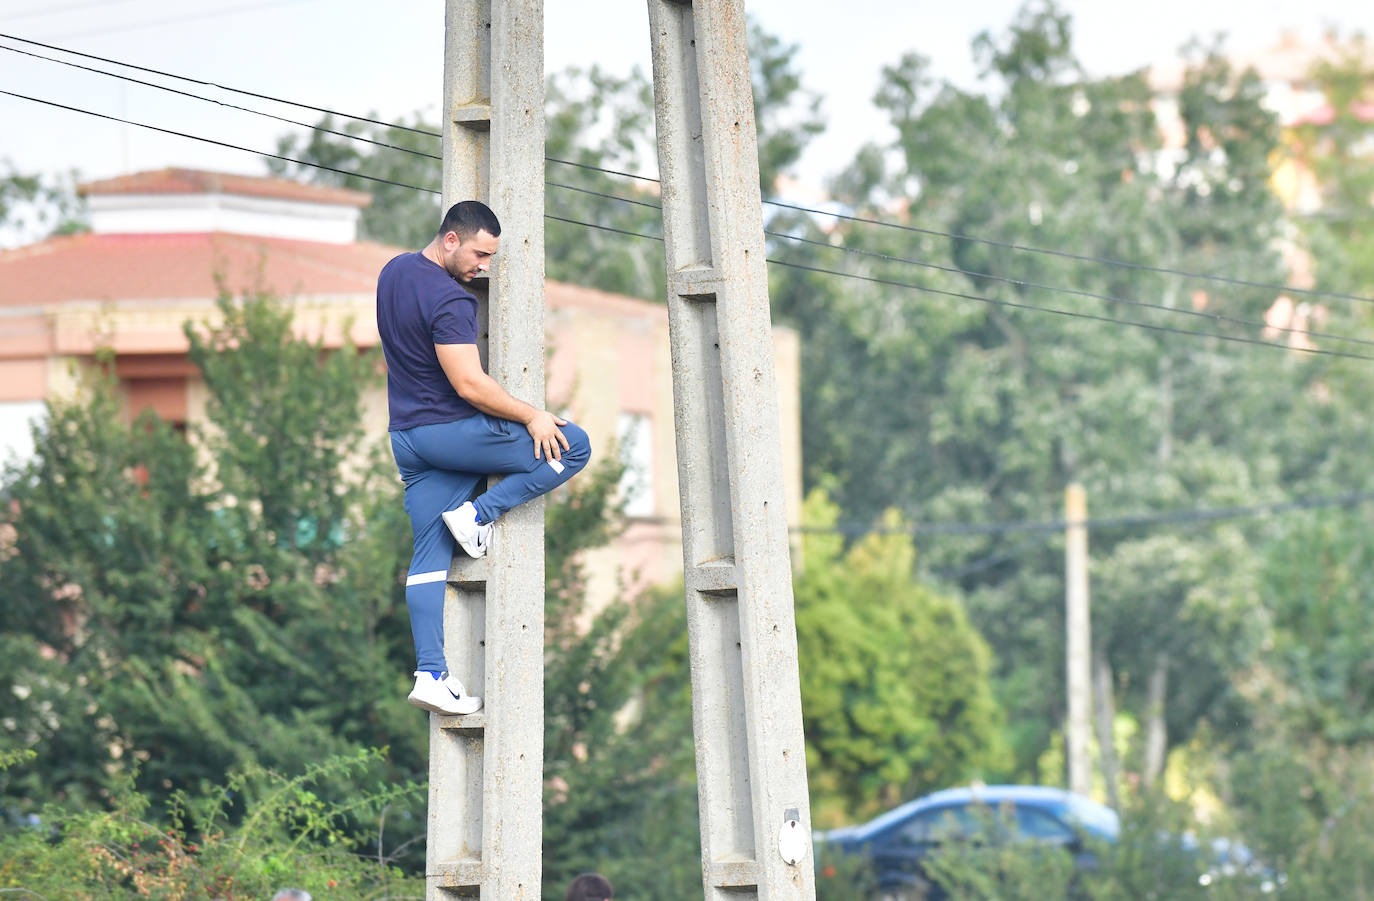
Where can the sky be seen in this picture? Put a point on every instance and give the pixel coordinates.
(362, 57)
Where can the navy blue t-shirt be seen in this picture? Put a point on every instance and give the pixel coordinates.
(420, 305)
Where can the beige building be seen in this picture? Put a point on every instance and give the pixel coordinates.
(161, 245)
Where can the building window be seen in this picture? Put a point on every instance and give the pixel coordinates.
(634, 435)
(17, 419)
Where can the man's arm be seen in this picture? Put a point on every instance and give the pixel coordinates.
(463, 366)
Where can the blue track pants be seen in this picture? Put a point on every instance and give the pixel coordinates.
(442, 465)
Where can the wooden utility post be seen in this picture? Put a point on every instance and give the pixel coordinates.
(1078, 659)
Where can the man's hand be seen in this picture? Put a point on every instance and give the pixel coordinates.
(549, 442)
(463, 366)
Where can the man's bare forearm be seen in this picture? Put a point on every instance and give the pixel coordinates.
(486, 395)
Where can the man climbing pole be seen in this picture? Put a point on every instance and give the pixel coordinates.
(451, 424)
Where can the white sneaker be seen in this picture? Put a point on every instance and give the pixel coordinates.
(446, 696)
(471, 536)
(467, 703)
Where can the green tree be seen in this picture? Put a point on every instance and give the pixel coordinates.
(35, 206)
(288, 835)
(966, 411)
(232, 601)
(895, 681)
(1336, 153)
(182, 606)
(1316, 678)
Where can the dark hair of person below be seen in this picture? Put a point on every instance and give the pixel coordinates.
(469, 217)
(589, 887)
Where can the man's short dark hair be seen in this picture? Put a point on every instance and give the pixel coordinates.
(469, 217)
(589, 887)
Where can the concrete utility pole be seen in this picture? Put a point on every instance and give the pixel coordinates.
(1078, 661)
(746, 699)
(486, 770)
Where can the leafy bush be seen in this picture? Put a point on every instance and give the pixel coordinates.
(258, 832)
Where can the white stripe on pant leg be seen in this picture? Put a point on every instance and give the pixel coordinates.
(438, 575)
(556, 466)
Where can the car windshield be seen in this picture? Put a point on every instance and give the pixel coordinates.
(1097, 819)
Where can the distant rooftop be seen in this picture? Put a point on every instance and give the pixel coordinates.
(174, 200)
(199, 181)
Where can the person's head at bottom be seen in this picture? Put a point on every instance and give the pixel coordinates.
(589, 887)
(292, 894)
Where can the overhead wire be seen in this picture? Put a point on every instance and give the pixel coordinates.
(1165, 270)
(1085, 258)
(1001, 303)
(894, 283)
(820, 270)
(1181, 311)
(1079, 292)
(1047, 528)
(917, 528)
(182, 134)
(200, 81)
(1176, 517)
(234, 106)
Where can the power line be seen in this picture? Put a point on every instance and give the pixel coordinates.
(604, 228)
(181, 134)
(1111, 522)
(581, 190)
(1086, 258)
(873, 279)
(211, 84)
(918, 528)
(1002, 303)
(1181, 311)
(170, 90)
(1025, 306)
(589, 167)
(1270, 286)
(1048, 527)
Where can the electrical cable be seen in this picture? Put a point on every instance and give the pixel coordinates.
(1270, 286)
(342, 134)
(589, 167)
(1047, 528)
(1182, 311)
(1111, 522)
(1001, 303)
(918, 528)
(181, 134)
(1025, 306)
(318, 109)
(819, 270)
(604, 228)
(1085, 258)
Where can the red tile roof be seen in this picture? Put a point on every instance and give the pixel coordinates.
(198, 181)
(184, 266)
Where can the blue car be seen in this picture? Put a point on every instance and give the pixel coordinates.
(897, 841)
